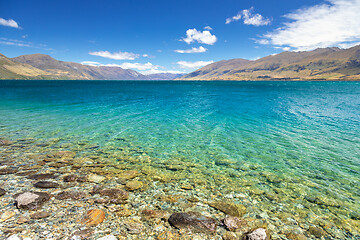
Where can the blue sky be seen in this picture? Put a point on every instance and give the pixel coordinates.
(173, 36)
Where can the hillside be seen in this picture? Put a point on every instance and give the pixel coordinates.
(319, 64)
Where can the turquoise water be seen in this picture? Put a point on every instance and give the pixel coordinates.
(287, 138)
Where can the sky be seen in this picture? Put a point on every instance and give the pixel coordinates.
(173, 36)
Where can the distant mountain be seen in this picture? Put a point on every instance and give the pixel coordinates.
(319, 64)
(55, 69)
(163, 76)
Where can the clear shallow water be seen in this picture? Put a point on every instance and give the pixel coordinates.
(297, 140)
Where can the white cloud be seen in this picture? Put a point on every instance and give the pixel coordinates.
(21, 43)
(8, 23)
(249, 18)
(208, 28)
(335, 23)
(90, 63)
(205, 37)
(117, 55)
(200, 49)
(198, 64)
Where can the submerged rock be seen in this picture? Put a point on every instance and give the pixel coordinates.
(70, 178)
(127, 175)
(108, 237)
(75, 195)
(95, 178)
(31, 200)
(46, 184)
(6, 215)
(257, 234)
(317, 232)
(115, 195)
(233, 223)
(82, 234)
(42, 176)
(94, 217)
(134, 185)
(5, 171)
(39, 215)
(194, 222)
(230, 208)
(2, 192)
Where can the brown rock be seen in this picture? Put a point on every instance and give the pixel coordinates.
(4, 142)
(295, 236)
(115, 195)
(42, 176)
(70, 178)
(124, 213)
(2, 192)
(5, 171)
(83, 234)
(193, 221)
(39, 215)
(25, 173)
(94, 217)
(31, 200)
(230, 208)
(230, 236)
(134, 185)
(22, 220)
(148, 213)
(127, 175)
(233, 223)
(168, 235)
(317, 232)
(75, 195)
(46, 184)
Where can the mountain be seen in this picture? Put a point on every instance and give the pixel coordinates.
(55, 69)
(319, 64)
(163, 76)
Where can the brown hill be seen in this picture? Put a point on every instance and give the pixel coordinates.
(320, 64)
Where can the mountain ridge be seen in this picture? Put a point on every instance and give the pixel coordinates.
(320, 64)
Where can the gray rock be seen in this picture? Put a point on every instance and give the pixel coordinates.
(46, 184)
(257, 234)
(31, 200)
(193, 221)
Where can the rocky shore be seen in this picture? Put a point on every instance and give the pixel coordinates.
(72, 192)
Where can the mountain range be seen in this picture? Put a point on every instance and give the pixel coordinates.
(40, 66)
(320, 64)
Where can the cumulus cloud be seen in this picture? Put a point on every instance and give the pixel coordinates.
(205, 37)
(8, 23)
(335, 23)
(249, 18)
(200, 49)
(198, 64)
(117, 55)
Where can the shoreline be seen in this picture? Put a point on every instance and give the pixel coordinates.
(156, 189)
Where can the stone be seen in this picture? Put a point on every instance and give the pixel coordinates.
(187, 186)
(127, 175)
(42, 176)
(230, 236)
(2, 192)
(4, 142)
(95, 178)
(31, 200)
(64, 154)
(94, 217)
(83, 234)
(75, 195)
(194, 222)
(6, 170)
(230, 208)
(22, 219)
(46, 184)
(134, 226)
(317, 232)
(39, 215)
(124, 212)
(134, 185)
(108, 237)
(115, 195)
(232, 223)
(295, 236)
(257, 234)
(148, 214)
(70, 178)
(6, 215)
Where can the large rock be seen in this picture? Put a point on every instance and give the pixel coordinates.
(94, 217)
(31, 200)
(257, 234)
(230, 208)
(46, 184)
(194, 222)
(115, 195)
